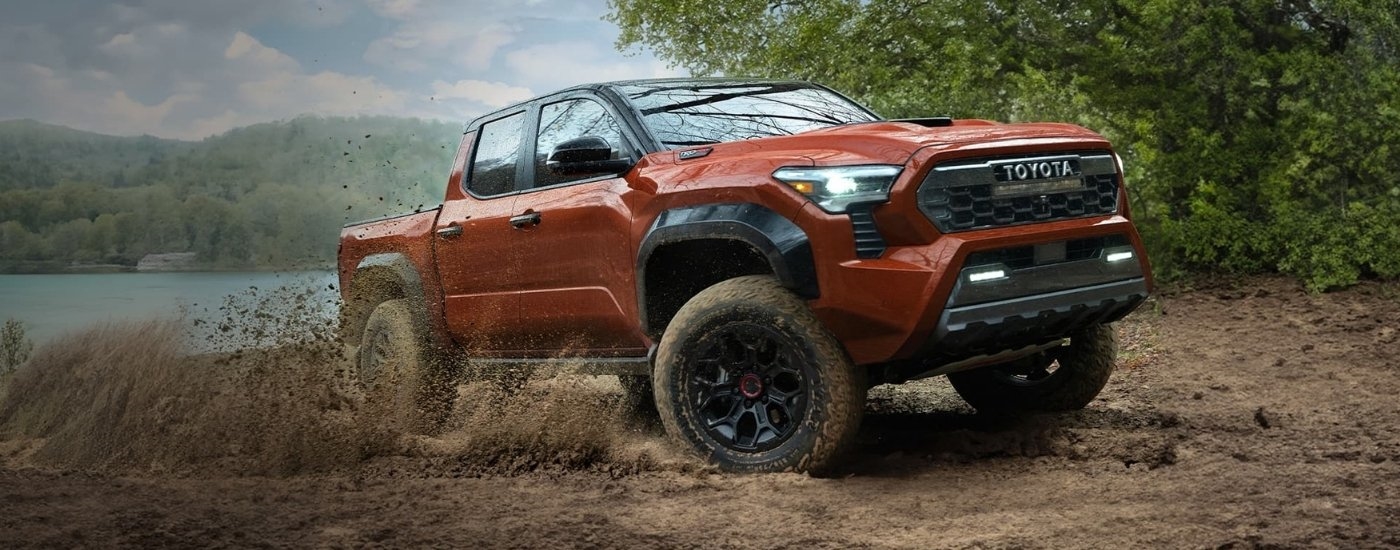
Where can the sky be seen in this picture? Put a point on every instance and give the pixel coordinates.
(188, 69)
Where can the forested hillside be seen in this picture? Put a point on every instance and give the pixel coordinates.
(33, 154)
(267, 196)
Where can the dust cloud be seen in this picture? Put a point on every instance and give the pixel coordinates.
(269, 392)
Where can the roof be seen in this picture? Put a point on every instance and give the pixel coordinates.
(675, 81)
(645, 82)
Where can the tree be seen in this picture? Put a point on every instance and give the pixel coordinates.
(1242, 120)
(17, 243)
(271, 195)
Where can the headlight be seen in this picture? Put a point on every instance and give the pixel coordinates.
(834, 188)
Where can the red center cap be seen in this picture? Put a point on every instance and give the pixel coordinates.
(751, 386)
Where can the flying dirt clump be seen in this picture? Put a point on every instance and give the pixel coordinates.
(129, 398)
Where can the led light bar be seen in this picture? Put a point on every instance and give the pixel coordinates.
(990, 275)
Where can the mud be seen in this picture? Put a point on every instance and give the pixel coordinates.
(1242, 414)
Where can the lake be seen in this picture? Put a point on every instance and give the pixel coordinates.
(50, 305)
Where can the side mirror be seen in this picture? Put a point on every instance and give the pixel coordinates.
(585, 155)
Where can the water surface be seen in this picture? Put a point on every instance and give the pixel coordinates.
(50, 305)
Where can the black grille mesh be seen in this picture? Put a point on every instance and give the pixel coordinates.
(960, 208)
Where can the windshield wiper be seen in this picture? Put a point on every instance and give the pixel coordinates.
(710, 100)
(690, 143)
(694, 88)
(756, 116)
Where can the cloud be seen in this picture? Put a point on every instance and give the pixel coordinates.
(119, 42)
(171, 68)
(240, 14)
(394, 9)
(176, 68)
(563, 64)
(437, 35)
(491, 94)
(431, 44)
(480, 50)
(83, 99)
(247, 49)
(281, 95)
(242, 82)
(537, 44)
(272, 85)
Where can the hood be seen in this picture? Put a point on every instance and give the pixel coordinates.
(894, 142)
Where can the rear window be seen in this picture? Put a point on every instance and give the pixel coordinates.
(497, 153)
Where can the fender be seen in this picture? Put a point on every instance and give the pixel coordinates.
(373, 278)
(778, 239)
(397, 264)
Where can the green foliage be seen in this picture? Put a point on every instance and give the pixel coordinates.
(14, 346)
(270, 195)
(1259, 134)
(34, 154)
(1363, 240)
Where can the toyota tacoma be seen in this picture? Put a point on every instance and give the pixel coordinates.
(750, 257)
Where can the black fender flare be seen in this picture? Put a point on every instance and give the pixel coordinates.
(397, 264)
(777, 238)
(378, 270)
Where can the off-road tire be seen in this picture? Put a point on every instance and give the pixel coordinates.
(406, 386)
(1084, 367)
(829, 390)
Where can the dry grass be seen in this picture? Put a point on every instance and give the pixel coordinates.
(126, 398)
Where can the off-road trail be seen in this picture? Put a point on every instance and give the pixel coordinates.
(1242, 414)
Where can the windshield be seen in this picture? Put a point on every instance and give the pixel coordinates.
(682, 114)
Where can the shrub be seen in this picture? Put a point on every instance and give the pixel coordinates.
(14, 346)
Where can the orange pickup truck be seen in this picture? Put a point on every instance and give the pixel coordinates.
(750, 257)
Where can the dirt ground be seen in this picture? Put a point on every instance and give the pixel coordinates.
(1243, 414)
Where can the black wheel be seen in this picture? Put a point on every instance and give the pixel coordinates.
(404, 384)
(748, 377)
(1061, 379)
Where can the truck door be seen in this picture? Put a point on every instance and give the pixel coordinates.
(474, 241)
(576, 275)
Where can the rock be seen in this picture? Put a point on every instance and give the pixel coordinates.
(1262, 419)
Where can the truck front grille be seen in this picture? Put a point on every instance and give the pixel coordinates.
(994, 192)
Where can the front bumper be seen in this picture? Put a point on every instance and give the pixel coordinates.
(917, 309)
(1028, 320)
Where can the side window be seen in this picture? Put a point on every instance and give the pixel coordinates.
(566, 120)
(493, 169)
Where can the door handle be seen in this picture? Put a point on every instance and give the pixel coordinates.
(526, 219)
(450, 231)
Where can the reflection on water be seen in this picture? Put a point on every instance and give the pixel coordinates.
(223, 310)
